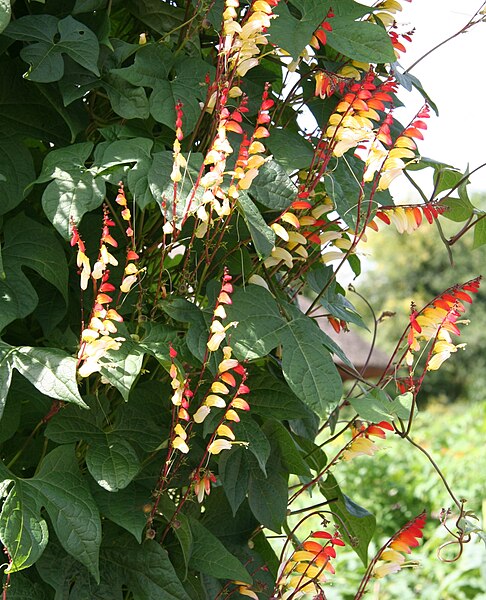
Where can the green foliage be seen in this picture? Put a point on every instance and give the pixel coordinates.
(164, 398)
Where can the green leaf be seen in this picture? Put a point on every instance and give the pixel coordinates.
(408, 81)
(293, 34)
(211, 557)
(234, 471)
(28, 244)
(344, 189)
(120, 153)
(151, 66)
(360, 40)
(458, 209)
(290, 149)
(6, 370)
(125, 508)
(267, 496)
(332, 301)
(51, 39)
(161, 186)
(51, 371)
(144, 569)
(74, 191)
(274, 188)
(262, 235)
(480, 232)
(164, 99)
(271, 396)
(70, 579)
(22, 588)
(5, 14)
(446, 179)
(290, 456)
(25, 112)
(258, 444)
(60, 488)
(22, 531)
(159, 16)
(112, 464)
(359, 524)
(16, 172)
(129, 102)
(306, 364)
(181, 528)
(377, 406)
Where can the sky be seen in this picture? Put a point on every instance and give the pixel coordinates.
(453, 76)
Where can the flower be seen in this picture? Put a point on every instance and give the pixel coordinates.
(361, 444)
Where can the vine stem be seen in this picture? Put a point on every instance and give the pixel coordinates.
(439, 472)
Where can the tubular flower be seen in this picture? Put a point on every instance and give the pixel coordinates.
(407, 218)
(391, 558)
(437, 321)
(389, 163)
(320, 35)
(361, 444)
(179, 441)
(308, 566)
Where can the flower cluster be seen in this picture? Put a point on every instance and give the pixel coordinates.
(361, 444)
(131, 272)
(308, 566)
(328, 83)
(392, 557)
(352, 122)
(96, 338)
(407, 218)
(302, 229)
(388, 163)
(179, 160)
(241, 41)
(436, 322)
(225, 392)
